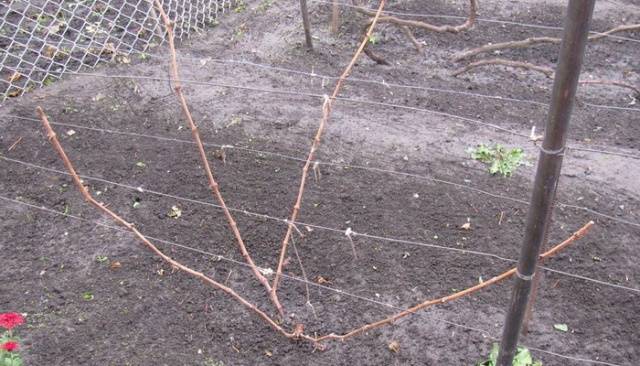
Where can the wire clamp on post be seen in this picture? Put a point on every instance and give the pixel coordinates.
(523, 277)
(559, 152)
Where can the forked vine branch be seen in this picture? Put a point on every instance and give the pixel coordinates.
(326, 114)
(298, 332)
(205, 162)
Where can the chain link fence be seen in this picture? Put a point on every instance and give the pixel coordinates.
(40, 39)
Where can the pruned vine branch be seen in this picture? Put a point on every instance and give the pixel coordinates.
(636, 89)
(548, 71)
(469, 22)
(504, 62)
(490, 47)
(205, 162)
(298, 332)
(326, 113)
(51, 136)
(501, 277)
(406, 27)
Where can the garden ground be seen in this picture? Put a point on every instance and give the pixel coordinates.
(95, 296)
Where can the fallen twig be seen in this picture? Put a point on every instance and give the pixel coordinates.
(205, 162)
(504, 62)
(534, 41)
(13, 146)
(407, 31)
(326, 113)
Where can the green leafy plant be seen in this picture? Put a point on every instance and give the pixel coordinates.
(501, 160)
(522, 358)
(101, 258)
(264, 5)
(9, 343)
(240, 6)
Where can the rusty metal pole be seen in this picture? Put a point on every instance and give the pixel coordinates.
(576, 30)
(306, 24)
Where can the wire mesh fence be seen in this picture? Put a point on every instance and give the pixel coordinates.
(40, 39)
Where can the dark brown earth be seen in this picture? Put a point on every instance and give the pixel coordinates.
(144, 314)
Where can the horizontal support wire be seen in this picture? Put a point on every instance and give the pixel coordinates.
(393, 85)
(321, 227)
(361, 167)
(340, 165)
(350, 100)
(245, 266)
(481, 20)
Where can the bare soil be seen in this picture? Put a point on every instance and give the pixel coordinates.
(141, 313)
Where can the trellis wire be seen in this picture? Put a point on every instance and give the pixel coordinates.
(45, 37)
(404, 86)
(321, 227)
(481, 20)
(243, 265)
(350, 100)
(343, 165)
(113, 51)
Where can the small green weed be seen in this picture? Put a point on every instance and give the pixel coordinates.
(101, 258)
(264, 5)
(240, 7)
(522, 358)
(501, 160)
(49, 80)
(212, 362)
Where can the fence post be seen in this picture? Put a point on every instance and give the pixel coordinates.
(335, 17)
(306, 24)
(576, 30)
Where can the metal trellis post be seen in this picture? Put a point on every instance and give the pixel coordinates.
(576, 30)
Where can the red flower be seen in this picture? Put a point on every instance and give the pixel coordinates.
(10, 346)
(10, 320)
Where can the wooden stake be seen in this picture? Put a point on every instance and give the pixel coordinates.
(305, 23)
(335, 17)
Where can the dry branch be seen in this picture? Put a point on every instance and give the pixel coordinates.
(205, 162)
(469, 22)
(407, 31)
(534, 41)
(406, 25)
(549, 72)
(326, 113)
(504, 62)
(546, 255)
(621, 84)
(51, 136)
